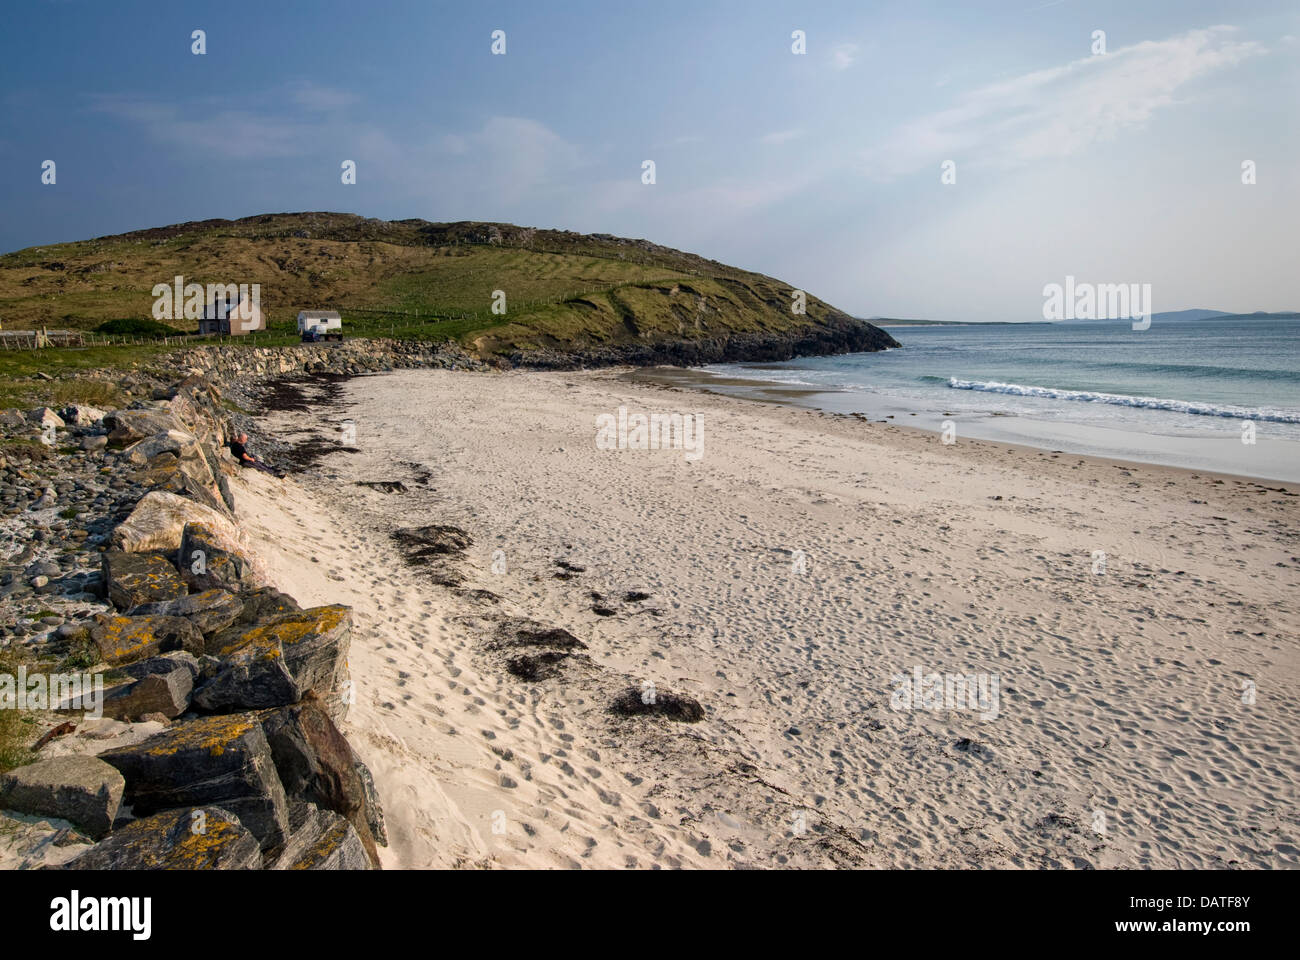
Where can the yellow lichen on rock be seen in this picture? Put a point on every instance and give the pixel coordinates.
(210, 733)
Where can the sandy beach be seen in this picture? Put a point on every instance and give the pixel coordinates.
(1132, 630)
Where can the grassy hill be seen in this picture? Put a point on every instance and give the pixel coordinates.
(565, 292)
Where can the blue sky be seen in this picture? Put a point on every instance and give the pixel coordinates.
(822, 169)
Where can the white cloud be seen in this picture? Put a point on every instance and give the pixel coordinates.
(239, 134)
(519, 155)
(1061, 110)
(781, 136)
(843, 55)
(313, 96)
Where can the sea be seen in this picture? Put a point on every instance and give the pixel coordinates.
(1220, 395)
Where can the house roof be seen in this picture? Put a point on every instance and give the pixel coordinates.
(220, 309)
(319, 315)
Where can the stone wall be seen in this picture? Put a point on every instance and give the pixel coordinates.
(235, 688)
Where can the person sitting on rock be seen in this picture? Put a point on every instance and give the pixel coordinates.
(246, 459)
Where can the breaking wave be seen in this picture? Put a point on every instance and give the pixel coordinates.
(1121, 400)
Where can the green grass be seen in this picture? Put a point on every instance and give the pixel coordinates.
(83, 655)
(409, 279)
(19, 388)
(136, 326)
(17, 727)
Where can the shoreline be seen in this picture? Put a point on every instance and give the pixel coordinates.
(1066, 443)
(944, 557)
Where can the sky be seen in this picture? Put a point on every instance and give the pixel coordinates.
(823, 168)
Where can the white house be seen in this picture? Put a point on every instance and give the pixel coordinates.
(320, 321)
(232, 312)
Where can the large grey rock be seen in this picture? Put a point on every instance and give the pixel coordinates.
(45, 417)
(81, 415)
(223, 488)
(210, 611)
(374, 810)
(174, 443)
(126, 427)
(158, 521)
(128, 639)
(320, 840)
(83, 790)
(165, 691)
(209, 558)
(222, 760)
(274, 663)
(190, 838)
(195, 412)
(163, 663)
(188, 476)
(133, 579)
(315, 763)
(263, 603)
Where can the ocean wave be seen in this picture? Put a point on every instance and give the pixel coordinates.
(1121, 400)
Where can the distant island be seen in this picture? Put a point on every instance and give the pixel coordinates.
(900, 322)
(1203, 314)
(1193, 314)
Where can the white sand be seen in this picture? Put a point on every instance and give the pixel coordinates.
(1121, 693)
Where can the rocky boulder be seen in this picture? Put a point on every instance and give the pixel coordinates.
(163, 663)
(275, 663)
(374, 811)
(195, 410)
(321, 840)
(191, 838)
(133, 579)
(127, 639)
(171, 443)
(316, 764)
(263, 603)
(211, 611)
(126, 427)
(209, 558)
(223, 761)
(187, 474)
(165, 689)
(44, 417)
(82, 790)
(159, 519)
(81, 415)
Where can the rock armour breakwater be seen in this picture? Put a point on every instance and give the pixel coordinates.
(216, 742)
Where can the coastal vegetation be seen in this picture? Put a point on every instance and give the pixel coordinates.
(498, 289)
